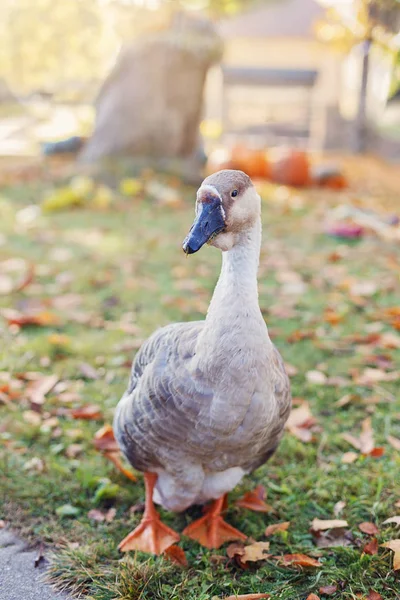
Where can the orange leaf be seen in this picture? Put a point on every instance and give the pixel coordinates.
(312, 597)
(176, 555)
(301, 560)
(254, 500)
(89, 412)
(104, 440)
(371, 547)
(271, 529)
(374, 595)
(43, 318)
(369, 528)
(395, 546)
(328, 590)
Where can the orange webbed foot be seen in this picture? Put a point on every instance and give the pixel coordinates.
(151, 535)
(211, 530)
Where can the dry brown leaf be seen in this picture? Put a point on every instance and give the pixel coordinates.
(89, 412)
(328, 590)
(255, 552)
(42, 318)
(365, 442)
(370, 377)
(371, 547)
(300, 421)
(323, 525)
(176, 555)
(247, 597)
(395, 546)
(395, 442)
(395, 520)
(349, 457)
(301, 560)
(312, 597)
(369, 528)
(372, 595)
(36, 391)
(271, 529)
(316, 377)
(254, 500)
(338, 508)
(100, 516)
(88, 371)
(104, 440)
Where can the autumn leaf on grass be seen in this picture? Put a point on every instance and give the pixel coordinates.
(176, 555)
(371, 547)
(37, 390)
(370, 377)
(298, 560)
(105, 442)
(395, 546)
(300, 422)
(369, 528)
(394, 442)
(394, 520)
(330, 533)
(324, 524)
(41, 319)
(251, 553)
(372, 595)
(328, 590)
(89, 412)
(271, 529)
(312, 597)
(254, 500)
(365, 442)
(247, 597)
(98, 515)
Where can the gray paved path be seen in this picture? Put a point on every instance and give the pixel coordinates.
(19, 579)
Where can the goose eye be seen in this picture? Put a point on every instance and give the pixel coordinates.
(234, 193)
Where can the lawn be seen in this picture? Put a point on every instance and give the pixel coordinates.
(104, 277)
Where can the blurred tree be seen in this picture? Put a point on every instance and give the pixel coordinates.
(371, 22)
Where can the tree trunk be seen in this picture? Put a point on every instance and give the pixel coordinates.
(151, 103)
(361, 121)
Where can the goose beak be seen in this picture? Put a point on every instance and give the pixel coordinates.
(208, 223)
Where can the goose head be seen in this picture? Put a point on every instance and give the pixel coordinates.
(227, 205)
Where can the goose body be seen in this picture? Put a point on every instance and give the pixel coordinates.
(207, 401)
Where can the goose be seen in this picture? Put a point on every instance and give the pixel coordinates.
(207, 401)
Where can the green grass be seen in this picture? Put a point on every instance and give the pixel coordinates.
(127, 268)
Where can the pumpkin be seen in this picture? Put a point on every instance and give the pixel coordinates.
(250, 160)
(291, 168)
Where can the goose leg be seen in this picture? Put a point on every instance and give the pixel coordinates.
(151, 535)
(211, 530)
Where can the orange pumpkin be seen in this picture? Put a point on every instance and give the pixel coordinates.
(291, 168)
(250, 160)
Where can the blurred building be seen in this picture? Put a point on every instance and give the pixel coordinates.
(277, 80)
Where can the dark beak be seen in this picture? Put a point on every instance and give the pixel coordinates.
(209, 222)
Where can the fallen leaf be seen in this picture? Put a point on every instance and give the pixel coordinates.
(176, 555)
(300, 421)
(89, 412)
(372, 376)
(371, 547)
(323, 525)
(338, 508)
(36, 391)
(254, 500)
(301, 560)
(395, 520)
(395, 546)
(104, 440)
(34, 464)
(316, 377)
(395, 442)
(248, 597)
(67, 510)
(255, 552)
(369, 528)
(271, 529)
(74, 450)
(312, 597)
(349, 457)
(96, 515)
(2, 524)
(365, 442)
(41, 318)
(372, 595)
(328, 590)
(88, 371)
